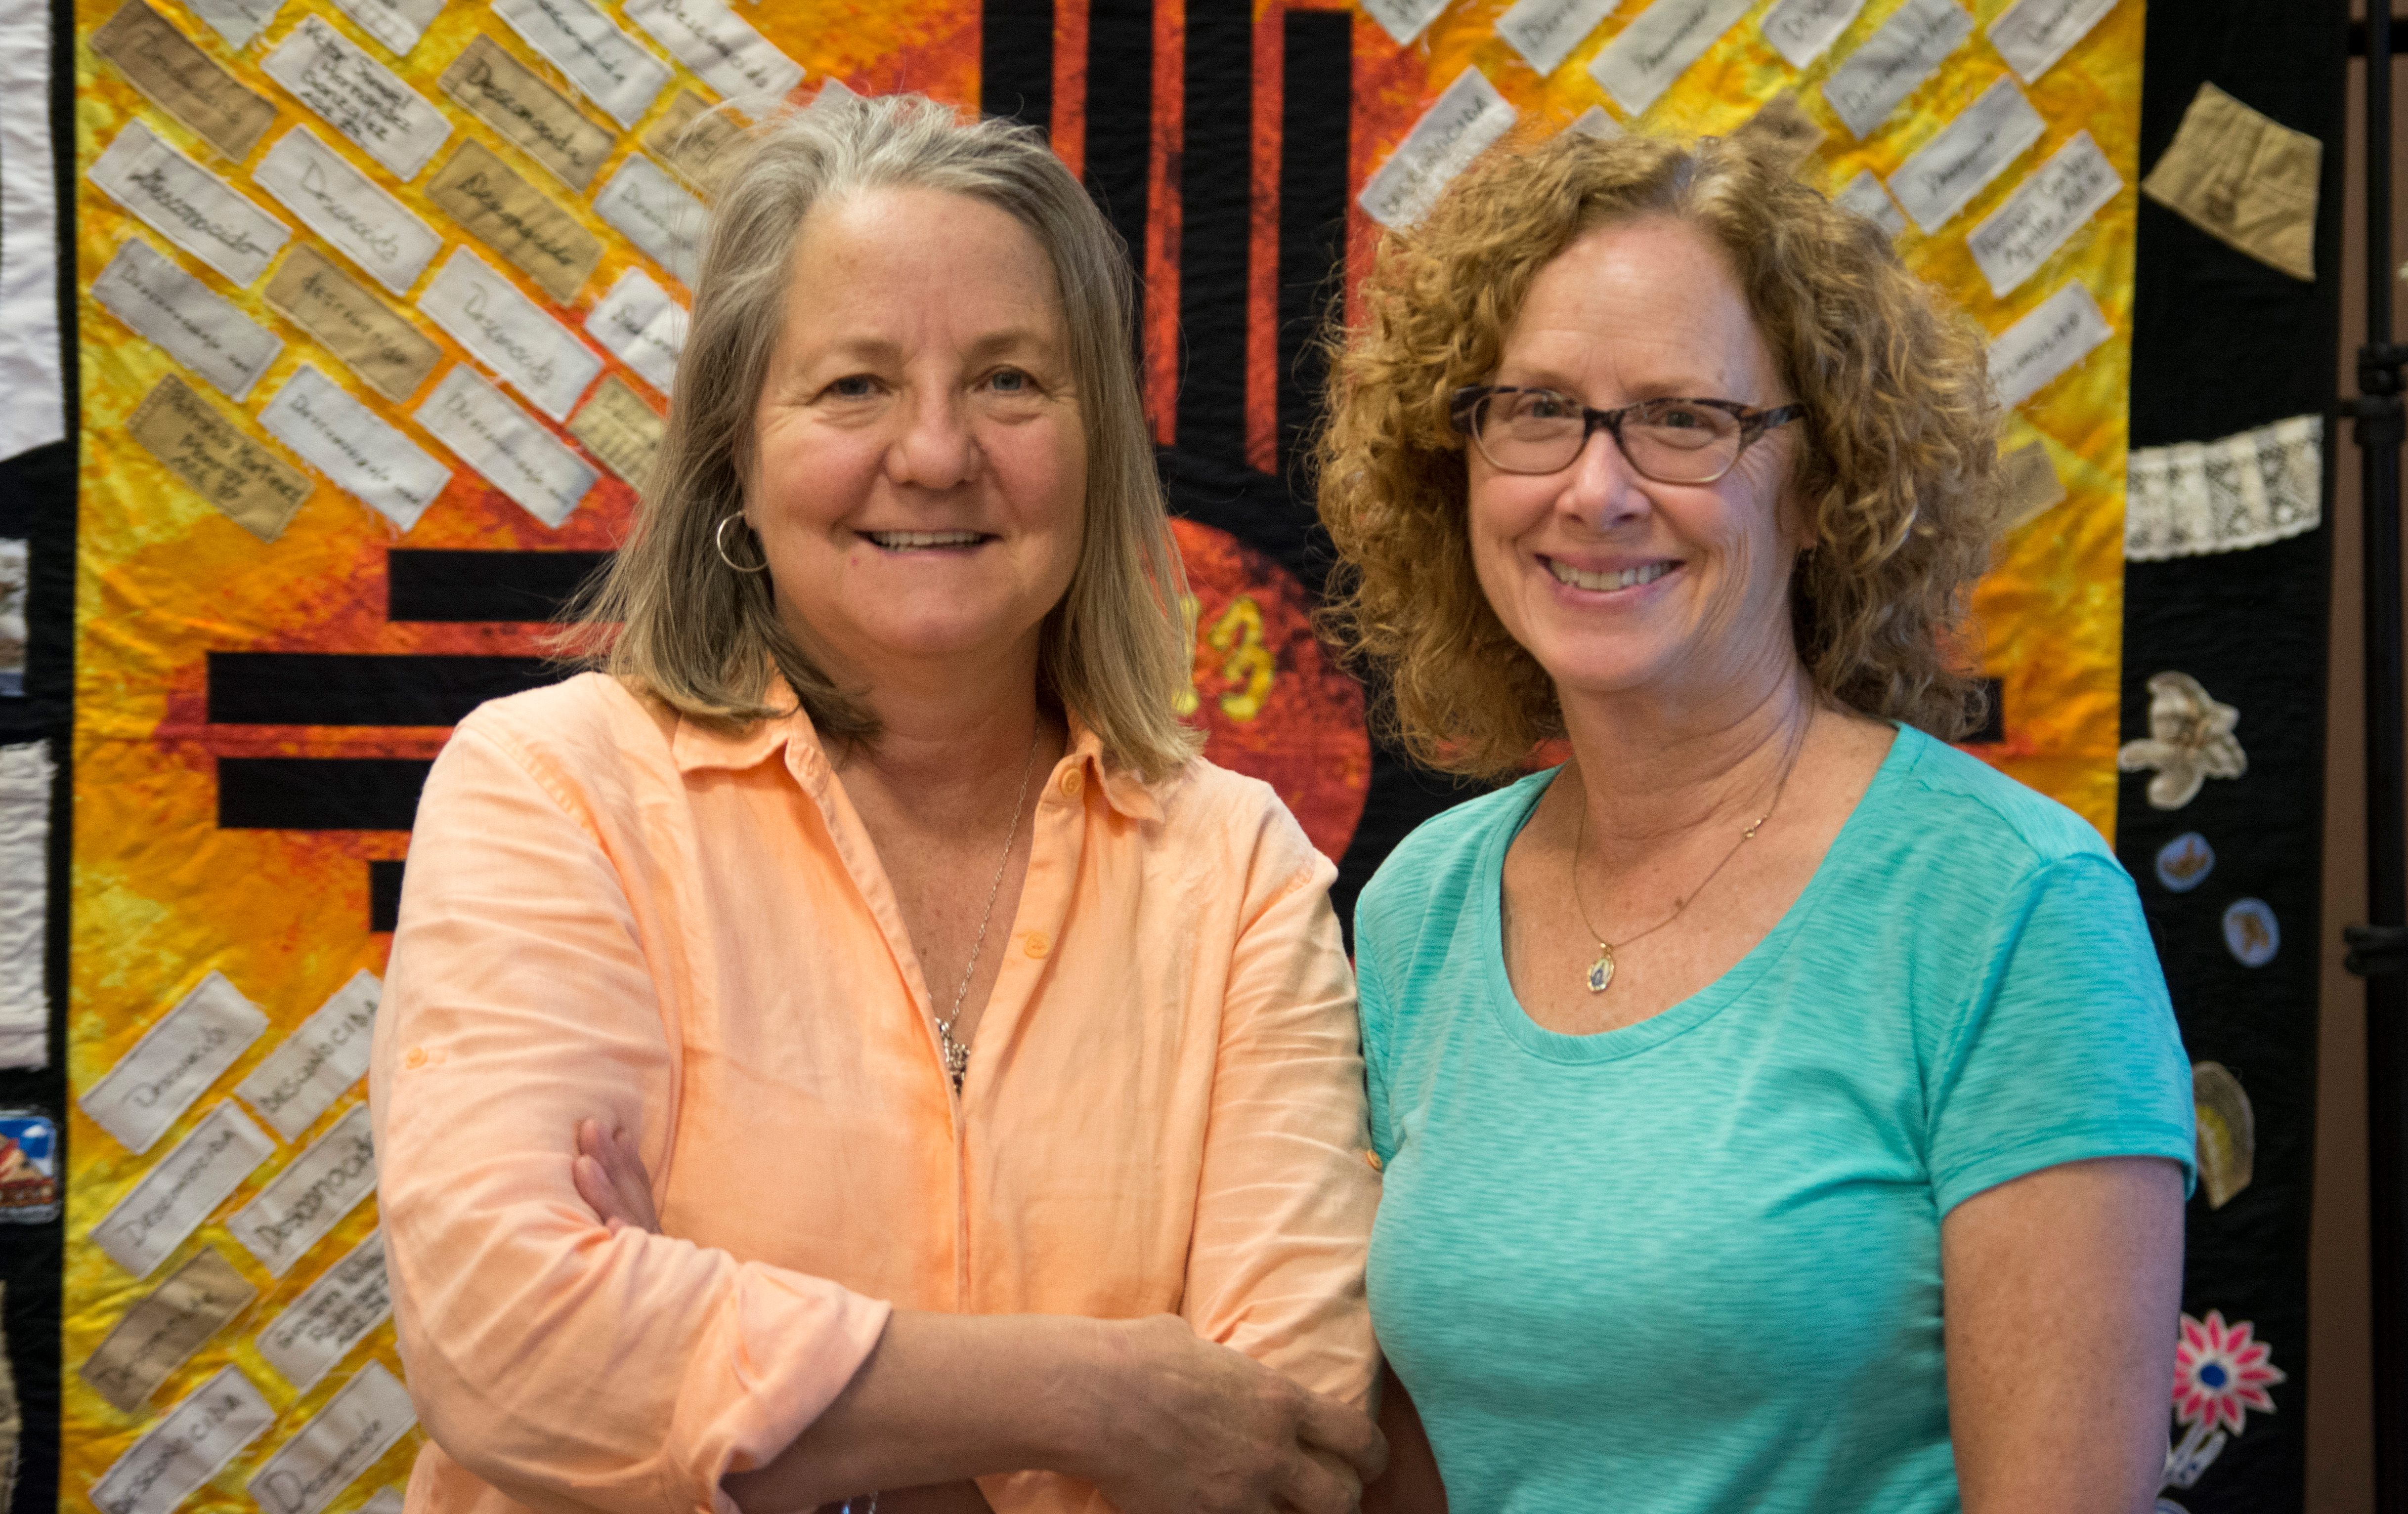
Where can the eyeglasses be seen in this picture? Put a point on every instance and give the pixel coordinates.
(1681, 441)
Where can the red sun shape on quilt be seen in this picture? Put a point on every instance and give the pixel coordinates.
(2220, 1374)
(1270, 701)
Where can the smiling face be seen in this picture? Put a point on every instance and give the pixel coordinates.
(918, 469)
(1614, 583)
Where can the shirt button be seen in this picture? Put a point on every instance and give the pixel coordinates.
(1371, 1160)
(1072, 783)
(414, 1057)
(1037, 945)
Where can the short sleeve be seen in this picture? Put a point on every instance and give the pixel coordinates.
(1371, 1005)
(2066, 1049)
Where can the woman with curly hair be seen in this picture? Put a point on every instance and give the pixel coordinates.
(1780, 1108)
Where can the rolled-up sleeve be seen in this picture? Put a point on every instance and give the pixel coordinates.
(567, 1366)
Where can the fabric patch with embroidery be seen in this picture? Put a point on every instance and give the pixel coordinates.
(2251, 931)
(2221, 1373)
(29, 1168)
(2246, 489)
(2227, 1132)
(2184, 861)
(2190, 741)
(2245, 179)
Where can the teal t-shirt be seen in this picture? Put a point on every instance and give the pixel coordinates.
(1692, 1265)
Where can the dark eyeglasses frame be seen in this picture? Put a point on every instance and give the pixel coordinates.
(1752, 424)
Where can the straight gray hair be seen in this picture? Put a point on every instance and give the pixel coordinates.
(703, 637)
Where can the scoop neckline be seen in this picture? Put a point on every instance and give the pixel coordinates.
(1677, 1019)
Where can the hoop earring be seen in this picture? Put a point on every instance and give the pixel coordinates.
(719, 541)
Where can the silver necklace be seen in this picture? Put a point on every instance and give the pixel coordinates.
(957, 1053)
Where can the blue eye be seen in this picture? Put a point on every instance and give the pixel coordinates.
(1012, 381)
(851, 386)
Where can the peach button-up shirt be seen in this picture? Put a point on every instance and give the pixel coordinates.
(613, 912)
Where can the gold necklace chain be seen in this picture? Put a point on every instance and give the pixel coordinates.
(957, 1053)
(1600, 972)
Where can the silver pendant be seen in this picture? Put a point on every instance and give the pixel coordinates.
(957, 1056)
(1600, 972)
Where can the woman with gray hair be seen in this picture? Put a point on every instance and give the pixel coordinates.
(963, 1072)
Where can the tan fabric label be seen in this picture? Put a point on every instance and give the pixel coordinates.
(160, 1332)
(258, 491)
(2032, 485)
(701, 148)
(537, 119)
(2245, 179)
(184, 81)
(315, 294)
(492, 204)
(621, 429)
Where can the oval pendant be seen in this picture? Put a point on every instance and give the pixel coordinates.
(1600, 972)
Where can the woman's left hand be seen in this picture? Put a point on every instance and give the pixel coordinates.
(609, 1176)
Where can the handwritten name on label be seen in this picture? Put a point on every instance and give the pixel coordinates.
(237, 21)
(2031, 35)
(1459, 126)
(331, 1316)
(1799, 30)
(1403, 19)
(1545, 32)
(513, 453)
(530, 114)
(718, 45)
(697, 145)
(1946, 172)
(170, 1324)
(1643, 59)
(318, 1062)
(2047, 209)
(174, 1062)
(171, 1200)
(186, 1449)
(609, 67)
(651, 211)
(1865, 195)
(313, 292)
(359, 1424)
(341, 204)
(642, 325)
(1906, 49)
(195, 325)
(618, 427)
(187, 203)
(509, 333)
(492, 204)
(348, 443)
(357, 95)
(184, 81)
(397, 24)
(257, 489)
(2060, 332)
(302, 1203)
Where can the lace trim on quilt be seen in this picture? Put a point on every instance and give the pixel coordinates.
(2246, 489)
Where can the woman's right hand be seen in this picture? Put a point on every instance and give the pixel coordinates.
(1190, 1427)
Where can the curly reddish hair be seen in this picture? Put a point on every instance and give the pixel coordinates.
(1897, 477)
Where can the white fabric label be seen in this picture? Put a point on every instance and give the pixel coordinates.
(189, 1183)
(175, 1063)
(718, 45)
(192, 322)
(656, 214)
(1459, 126)
(1545, 32)
(352, 445)
(498, 439)
(358, 96)
(317, 1063)
(2014, 240)
(341, 205)
(1946, 172)
(331, 1316)
(302, 1203)
(32, 383)
(187, 1448)
(188, 205)
(237, 21)
(2033, 34)
(613, 69)
(397, 24)
(1403, 19)
(509, 333)
(360, 1423)
(643, 327)
(383, 1501)
(1643, 59)
(1799, 30)
(1595, 122)
(1903, 52)
(2060, 332)
(25, 778)
(1867, 198)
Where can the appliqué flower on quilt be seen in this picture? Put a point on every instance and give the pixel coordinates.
(2221, 1373)
(2190, 741)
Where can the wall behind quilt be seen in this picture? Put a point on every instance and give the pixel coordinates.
(379, 304)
